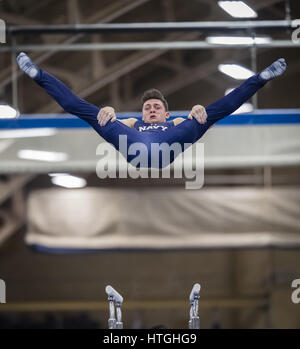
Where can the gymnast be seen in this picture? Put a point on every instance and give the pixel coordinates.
(154, 127)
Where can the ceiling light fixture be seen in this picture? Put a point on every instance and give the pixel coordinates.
(68, 181)
(238, 40)
(237, 9)
(29, 154)
(8, 112)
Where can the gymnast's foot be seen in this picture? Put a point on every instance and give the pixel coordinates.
(28, 67)
(275, 69)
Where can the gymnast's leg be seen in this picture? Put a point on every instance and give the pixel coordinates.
(59, 91)
(75, 105)
(191, 130)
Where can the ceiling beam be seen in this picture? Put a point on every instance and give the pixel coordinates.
(13, 18)
(115, 10)
(186, 78)
(8, 188)
(120, 69)
(74, 80)
(73, 13)
(10, 226)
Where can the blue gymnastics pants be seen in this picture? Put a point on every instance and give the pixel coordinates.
(187, 132)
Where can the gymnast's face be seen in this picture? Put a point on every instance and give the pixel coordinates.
(154, 111)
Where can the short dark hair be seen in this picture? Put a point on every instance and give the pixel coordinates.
(154, 94)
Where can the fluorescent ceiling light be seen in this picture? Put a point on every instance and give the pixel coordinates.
(68, 181)
(7, 112)
(31, 132)
(237, 9)
(236, 71)
(237, 40)
(48, 156)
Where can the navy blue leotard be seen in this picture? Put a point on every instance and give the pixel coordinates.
(187, 132)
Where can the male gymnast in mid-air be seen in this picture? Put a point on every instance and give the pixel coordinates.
(154, 127)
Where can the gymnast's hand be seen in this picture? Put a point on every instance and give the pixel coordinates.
(199, 113)
(105, 114)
